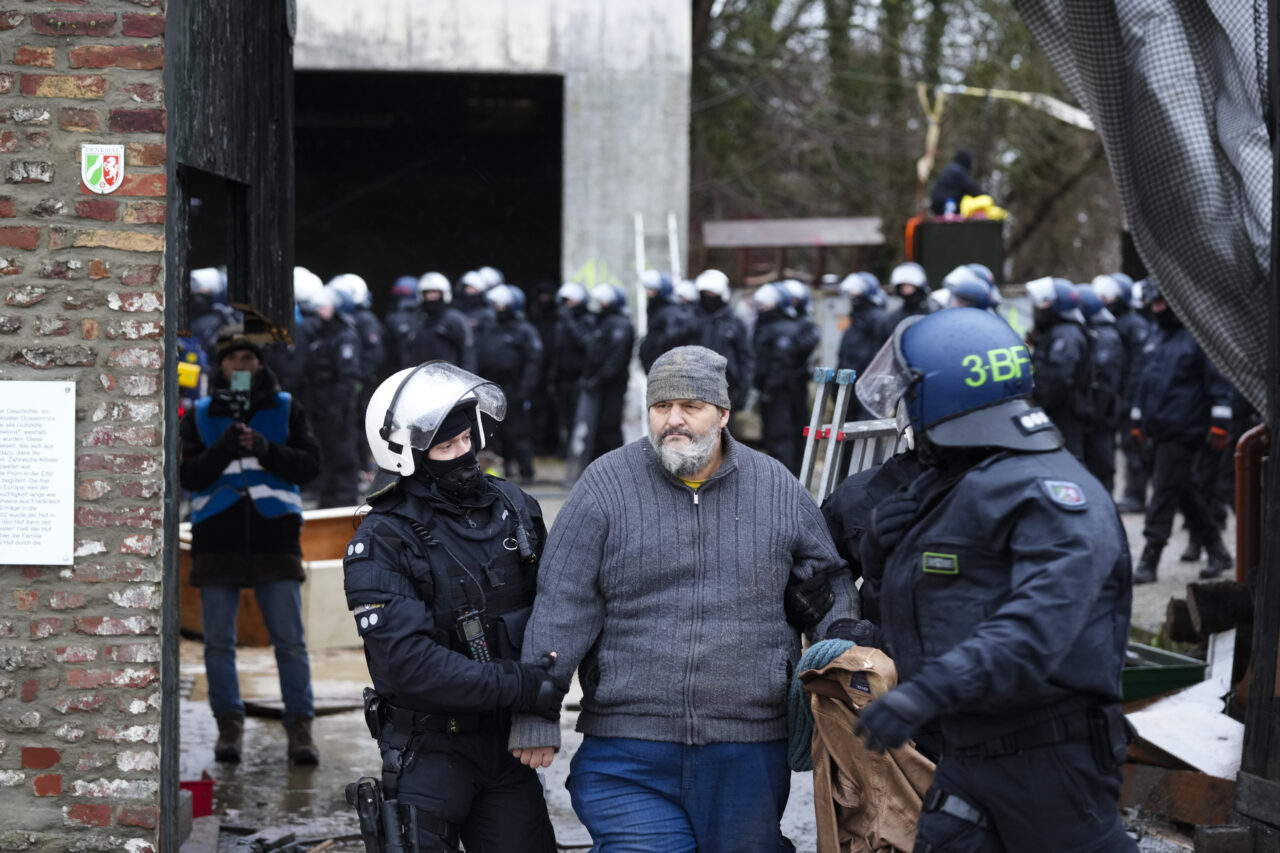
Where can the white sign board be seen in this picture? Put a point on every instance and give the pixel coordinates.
(37, 473)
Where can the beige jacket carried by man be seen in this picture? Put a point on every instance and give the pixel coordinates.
(865, 801)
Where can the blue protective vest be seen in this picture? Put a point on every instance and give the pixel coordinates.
(272, 496)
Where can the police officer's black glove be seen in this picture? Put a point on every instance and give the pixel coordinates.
(891, 519)
(807, 600)
(894, 718)
(540, 692)
(862, 632)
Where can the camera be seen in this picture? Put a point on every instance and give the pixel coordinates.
(236, 397)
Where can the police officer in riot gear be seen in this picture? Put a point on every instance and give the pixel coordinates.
(868, 324)
(568, 345)
(1006, 596)
(670, 323)
(509, 353)
(402, 317)
(1117, 293)
(722, 331)
(1109, 369)
(911, 284)
(781, 354)
(469, 298)
(328, 388)
(440, 578)
(440, 332)
(608, 363)
(1181, 407)
(1062, 359)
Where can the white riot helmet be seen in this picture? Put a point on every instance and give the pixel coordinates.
(713, 281)
(686, 291)
(768, 297)
(909, 273)
(353, 286)
(208, 280)
(492, 277)
(437, 282)
(408, 407)
(306, 287)
(474, 278)
(571, 291)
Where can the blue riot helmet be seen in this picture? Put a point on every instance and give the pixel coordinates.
(505, 297)
(968, 289)
(1091, 305)
(984, 272)
(404, 292)
(798, 292)
(959, 378)
(1147, 292)
(658, 285)
(1055, 296)
(607, 297)
(864, 286)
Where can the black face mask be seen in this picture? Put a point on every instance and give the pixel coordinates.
(1167, 319)
(1043, 318)
(459, 477)
(914, 298)
(433, 307)
(710, 302)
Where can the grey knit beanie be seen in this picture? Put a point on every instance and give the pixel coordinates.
(689, 373)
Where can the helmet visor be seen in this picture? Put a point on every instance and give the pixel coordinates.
(427, 396)
(887, 377)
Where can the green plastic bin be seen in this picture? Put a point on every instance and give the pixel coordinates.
(1150, 671)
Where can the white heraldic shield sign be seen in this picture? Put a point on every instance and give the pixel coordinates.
(102, 167)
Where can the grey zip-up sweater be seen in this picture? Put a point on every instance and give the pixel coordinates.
(670, 600)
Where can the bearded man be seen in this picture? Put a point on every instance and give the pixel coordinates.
(679, 575)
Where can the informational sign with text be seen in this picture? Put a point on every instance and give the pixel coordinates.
(37, 473)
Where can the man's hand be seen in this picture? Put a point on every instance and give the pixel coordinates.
(535, 756)
(894, 718)
(252, 441)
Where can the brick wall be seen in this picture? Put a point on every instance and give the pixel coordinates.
(80, 279)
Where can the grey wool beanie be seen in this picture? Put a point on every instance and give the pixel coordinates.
(689, 373)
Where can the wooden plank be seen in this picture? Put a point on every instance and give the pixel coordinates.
(1185, 796)
(1218, 606)
(1258, 798)
(782, 233)
(1177, 622)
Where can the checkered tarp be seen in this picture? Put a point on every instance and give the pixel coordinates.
(1178, 92)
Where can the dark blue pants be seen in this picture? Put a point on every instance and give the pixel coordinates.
(1048, 798)
(641, 796)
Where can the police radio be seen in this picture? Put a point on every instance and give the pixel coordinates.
(470, 627)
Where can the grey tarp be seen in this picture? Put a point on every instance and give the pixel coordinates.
(1178, 92)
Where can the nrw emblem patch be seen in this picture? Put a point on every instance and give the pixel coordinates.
(1065, 494)
(941, 564)
(102, 167)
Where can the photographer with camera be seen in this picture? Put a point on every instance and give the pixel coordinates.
(440, 578)
(246, 448)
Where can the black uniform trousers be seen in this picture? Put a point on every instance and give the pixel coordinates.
(333, 420)
(515, 437)
(608, 435)
(473, 782)
(1100, 456)
(1135, 470)
(1048, 798)
(1173, 487)
(782, 422)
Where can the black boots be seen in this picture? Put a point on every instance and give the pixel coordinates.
(1220, 560)
(1192, 552)
(302, 749)
(1148, 563)
(1128, 504)
(230, 731)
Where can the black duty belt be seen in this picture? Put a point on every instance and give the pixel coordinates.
(1074, 725)
(403, 719)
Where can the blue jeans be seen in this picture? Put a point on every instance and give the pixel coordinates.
(281, 604)
(641, 796)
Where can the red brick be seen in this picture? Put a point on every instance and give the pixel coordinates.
(136, 121)
(30, 690)
(96, 573)
(145, 153)
(98, 208)
(77, 120)
(45, 626)
(9, 20)
(62, 85)
(89, 326)
(134, 652)
(26, 295)
(38, 56)
(118, 463)
(6, 82)
(26, 599)
(49, 785)
(38, 140)
(144, 26)
(94, 678)
(76, 300)
(136, 185)
(90, 814)
(136, 56)
(147, 817)
(74, 23)
(85, 703)
(7, 210)
(75, 654)
(140, 275)
(9, 142)
(47, 357)
(105, 626)
(39, 758)
(64, 600)
(99, 269)
(20, 236)
(10, 324)
(144, 213)
(137, 517)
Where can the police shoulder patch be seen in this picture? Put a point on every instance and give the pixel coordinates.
(358, 549)
(369, 617)
(1065, 494)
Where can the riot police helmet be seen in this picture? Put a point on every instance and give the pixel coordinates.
(770, 297)
(505, 297)
(492, 276)
(306, 287)
(713, 281)
(909, 273)
(607, 297)
(799, 294)
(1148, 292)
(686, 291)
(409, 406)
(1091, 305)
(434, 282)
(208, 281)
(474, 280)
(404, 287)
(657, 285)
(1055, 295)
(354, 287)
(571, 292)
(960, 378)
(968, 289)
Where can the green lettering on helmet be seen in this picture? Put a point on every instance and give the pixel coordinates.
(974, 363)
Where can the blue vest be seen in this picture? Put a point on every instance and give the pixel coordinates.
(271, 495)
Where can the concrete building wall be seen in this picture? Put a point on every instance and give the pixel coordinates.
(80, 280)
(626, 68)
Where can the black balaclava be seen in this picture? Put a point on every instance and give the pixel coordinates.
(1043, 318)
(459, 477)
(915, 299)
(1167, 319)
(433, 307)
(710, 302)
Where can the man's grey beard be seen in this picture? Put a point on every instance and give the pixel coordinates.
(685, 461)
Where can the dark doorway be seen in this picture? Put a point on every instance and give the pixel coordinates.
(401, 173)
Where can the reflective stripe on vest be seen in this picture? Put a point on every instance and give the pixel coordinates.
(272, 496)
